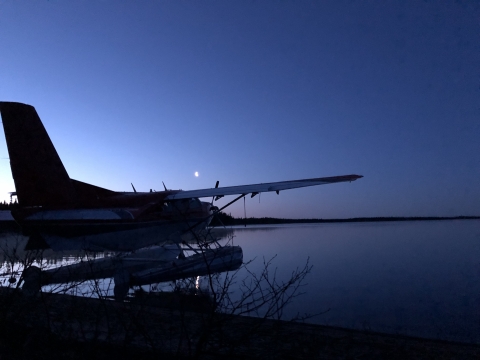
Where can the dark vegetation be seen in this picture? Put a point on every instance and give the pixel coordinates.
(8, 206)
(186, 320)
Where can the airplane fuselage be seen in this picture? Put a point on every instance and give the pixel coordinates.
(114, 225)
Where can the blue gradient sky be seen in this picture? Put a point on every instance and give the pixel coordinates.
(247, 92)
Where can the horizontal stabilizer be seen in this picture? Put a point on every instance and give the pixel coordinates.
(88, 191)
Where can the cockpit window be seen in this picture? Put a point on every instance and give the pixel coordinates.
(167, 207)
(194, 203)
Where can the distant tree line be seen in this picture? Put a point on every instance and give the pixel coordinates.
(227, 219)
(8, 206)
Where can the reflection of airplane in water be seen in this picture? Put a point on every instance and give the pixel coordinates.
(63, 213)
(146, 266)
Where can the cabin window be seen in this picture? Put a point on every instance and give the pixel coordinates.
(194, 203)
(167, 207)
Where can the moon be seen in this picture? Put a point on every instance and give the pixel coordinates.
(196, 173)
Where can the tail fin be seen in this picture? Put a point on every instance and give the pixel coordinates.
(39, 176)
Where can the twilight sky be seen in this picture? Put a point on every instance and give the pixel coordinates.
(257, 91)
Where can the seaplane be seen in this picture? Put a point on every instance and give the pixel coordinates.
(146, 229)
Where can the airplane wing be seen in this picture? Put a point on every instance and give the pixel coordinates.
(258, 188)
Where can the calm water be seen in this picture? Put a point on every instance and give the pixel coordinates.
(412, 278)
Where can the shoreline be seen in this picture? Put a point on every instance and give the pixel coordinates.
(54, 324)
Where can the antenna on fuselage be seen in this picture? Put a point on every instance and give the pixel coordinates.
(164, 186)
(133, 187)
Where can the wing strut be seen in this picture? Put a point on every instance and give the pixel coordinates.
(216, 212)
(244, 212)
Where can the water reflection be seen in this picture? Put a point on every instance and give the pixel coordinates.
(146, 266)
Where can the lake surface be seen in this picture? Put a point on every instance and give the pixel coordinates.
(418, 278)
